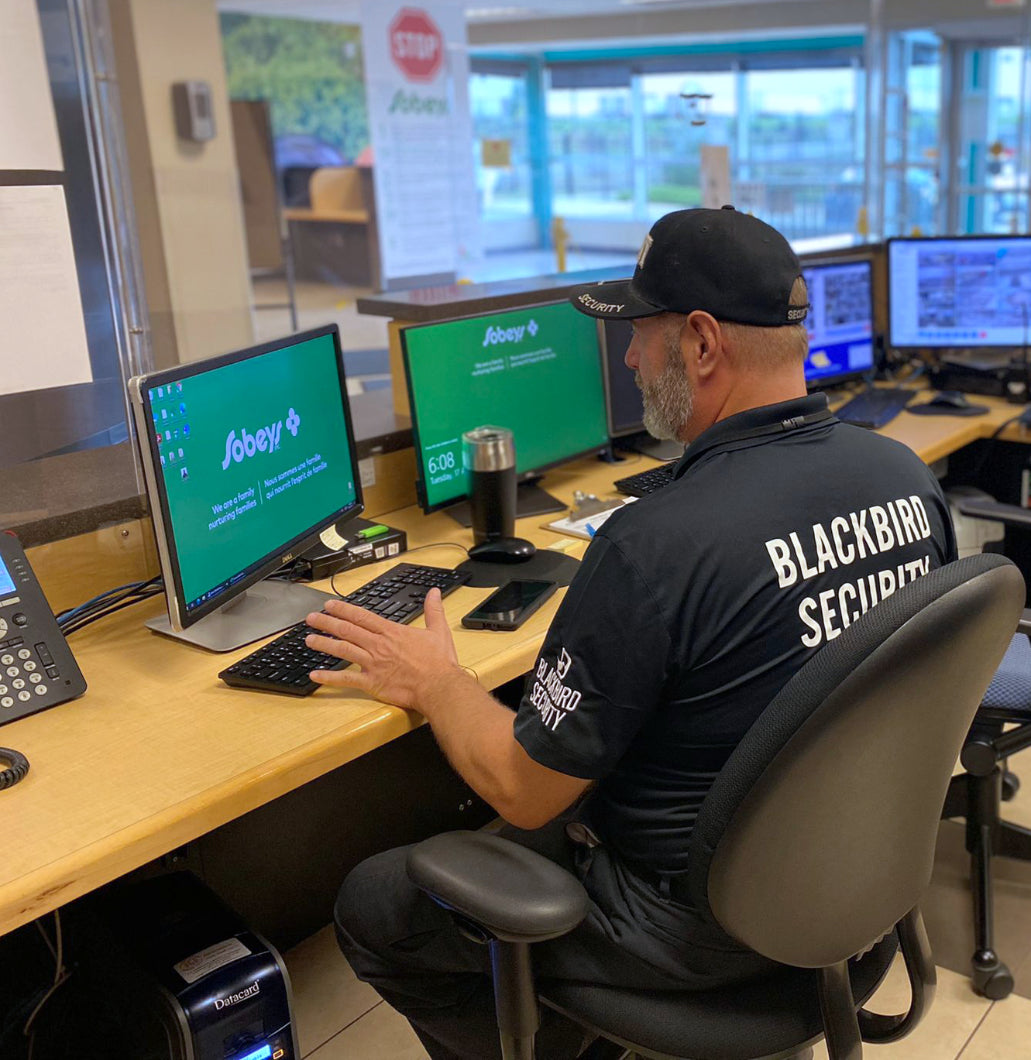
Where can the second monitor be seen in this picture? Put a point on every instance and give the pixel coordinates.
(840, 322)
(536, 371)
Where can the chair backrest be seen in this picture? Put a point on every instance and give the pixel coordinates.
(818, 835)
(336, 188)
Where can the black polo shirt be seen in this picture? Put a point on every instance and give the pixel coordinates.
(695, 605)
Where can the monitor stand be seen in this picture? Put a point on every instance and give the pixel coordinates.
(643, 442)
(530, 500)
(264, 609)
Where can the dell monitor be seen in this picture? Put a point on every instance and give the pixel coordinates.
(959, 293)
(840, 322)
(248, 458)
(536, 371)
(623, 400)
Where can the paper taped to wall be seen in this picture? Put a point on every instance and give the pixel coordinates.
(43, 343)
(28, 128)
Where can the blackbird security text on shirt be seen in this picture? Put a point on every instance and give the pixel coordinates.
(876, 530)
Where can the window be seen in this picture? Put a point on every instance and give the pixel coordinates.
(500, 112)
(673, 143)
(625, 144)
(590, 152)
(993, 181)
(800, 165)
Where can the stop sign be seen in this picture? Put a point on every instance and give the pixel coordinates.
(416, 45)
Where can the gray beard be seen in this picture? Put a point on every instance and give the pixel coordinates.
(668, 400)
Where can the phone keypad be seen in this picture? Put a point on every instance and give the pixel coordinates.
(21, 679)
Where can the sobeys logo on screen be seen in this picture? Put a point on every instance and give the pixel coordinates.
(493, 335)
(263, 440)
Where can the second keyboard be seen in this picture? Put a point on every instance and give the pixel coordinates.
(645, 482)
(875, 407)
(283, 665)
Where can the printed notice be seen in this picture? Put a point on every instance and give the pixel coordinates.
(40, 306)
(28, 128)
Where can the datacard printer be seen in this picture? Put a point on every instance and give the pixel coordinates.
(182, 977)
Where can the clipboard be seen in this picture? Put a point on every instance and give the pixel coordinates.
(577, 525)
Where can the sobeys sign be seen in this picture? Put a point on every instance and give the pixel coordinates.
(416, 80)
(409, 103)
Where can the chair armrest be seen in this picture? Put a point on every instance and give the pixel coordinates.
(515, 893)
(983, 507)
(1024, 623)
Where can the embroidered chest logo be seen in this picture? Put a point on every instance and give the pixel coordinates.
(552, 697)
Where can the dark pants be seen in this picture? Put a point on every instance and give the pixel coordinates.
(408, 948)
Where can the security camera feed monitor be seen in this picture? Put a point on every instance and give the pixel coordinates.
(252, 453)
(840, 322)
(959, 293)
(536, 371)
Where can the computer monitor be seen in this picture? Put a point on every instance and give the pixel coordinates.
(624, 403)
(247, 458)
(534, 370)
(840, 321)
(960, 292)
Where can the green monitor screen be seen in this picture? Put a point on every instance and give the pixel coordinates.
(251, 455)
(536, 371)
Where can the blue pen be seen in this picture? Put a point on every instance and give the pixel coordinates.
(590, 529)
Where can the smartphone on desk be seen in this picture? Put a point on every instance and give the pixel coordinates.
(510, 606)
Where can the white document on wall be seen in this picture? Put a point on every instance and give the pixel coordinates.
(716, 191)
(42, 331)
(416, 77)
(28, 128)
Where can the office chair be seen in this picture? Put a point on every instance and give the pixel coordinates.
(978, 792)
(812, 847)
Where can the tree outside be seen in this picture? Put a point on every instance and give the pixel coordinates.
(310, 72)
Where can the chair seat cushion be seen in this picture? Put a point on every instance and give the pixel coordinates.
(1009, 695)
(757, 1019)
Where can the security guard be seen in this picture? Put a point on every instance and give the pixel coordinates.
(691, 610)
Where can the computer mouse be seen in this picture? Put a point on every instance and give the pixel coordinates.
(503, 550)
(950, 399)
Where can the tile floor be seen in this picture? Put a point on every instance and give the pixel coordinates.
(340, 1018)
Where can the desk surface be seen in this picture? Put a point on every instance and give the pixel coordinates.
(354, 215)
(159, 752)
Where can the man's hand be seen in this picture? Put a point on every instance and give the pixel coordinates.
(418, 668)
(397, 662)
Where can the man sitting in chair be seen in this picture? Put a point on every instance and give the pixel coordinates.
(691, 610)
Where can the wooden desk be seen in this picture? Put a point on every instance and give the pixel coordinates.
(159, 752)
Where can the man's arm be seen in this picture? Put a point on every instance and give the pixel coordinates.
(419, 669)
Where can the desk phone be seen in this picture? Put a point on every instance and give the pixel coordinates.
(37, 669)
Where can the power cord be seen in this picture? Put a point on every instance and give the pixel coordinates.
(401, 557)
(17, 767)
(61, 975)
(107, 603)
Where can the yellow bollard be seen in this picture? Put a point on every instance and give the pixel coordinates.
(863, 222)
(560, 237)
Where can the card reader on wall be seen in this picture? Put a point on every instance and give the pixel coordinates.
(361, 542)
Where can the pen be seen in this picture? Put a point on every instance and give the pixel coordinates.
(590, 529)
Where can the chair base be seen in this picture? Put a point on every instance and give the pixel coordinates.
(989, 976)
(977, 798)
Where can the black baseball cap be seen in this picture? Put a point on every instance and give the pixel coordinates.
(726, 263)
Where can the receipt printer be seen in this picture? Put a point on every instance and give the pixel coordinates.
(182, 977)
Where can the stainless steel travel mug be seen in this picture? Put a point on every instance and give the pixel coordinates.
(489, 456)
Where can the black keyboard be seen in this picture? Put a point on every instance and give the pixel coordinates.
(283, 665)
(645, 482)
(875, 407)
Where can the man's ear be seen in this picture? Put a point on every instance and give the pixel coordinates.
(708, 341)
